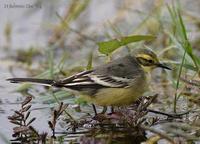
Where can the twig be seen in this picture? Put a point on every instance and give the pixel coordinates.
(167, 114)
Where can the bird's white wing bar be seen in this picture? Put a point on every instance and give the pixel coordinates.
(110, 81)
(121, 79)
(79, 83)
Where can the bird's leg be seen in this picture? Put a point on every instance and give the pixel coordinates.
(112, 109)
(104, 110)
(94, 108)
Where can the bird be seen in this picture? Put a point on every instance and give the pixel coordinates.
(117, 83)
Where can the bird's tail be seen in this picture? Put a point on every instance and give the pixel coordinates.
(46, 82)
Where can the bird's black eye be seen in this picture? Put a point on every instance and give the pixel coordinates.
(150, 61)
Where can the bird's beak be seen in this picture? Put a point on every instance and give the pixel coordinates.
(163, 66)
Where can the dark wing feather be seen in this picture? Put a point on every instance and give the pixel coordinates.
(89, 80)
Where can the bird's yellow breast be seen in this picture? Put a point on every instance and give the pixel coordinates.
(118, 96)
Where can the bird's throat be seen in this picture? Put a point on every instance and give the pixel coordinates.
(147, 69)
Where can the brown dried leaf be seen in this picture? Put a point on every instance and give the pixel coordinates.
(19, 113)
(15, 122)
(27, 115)
(26, 108)
(20, 129)
(32, 120)
(13, 117)
(26, 101)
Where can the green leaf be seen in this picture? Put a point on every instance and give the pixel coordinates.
(108, 47)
